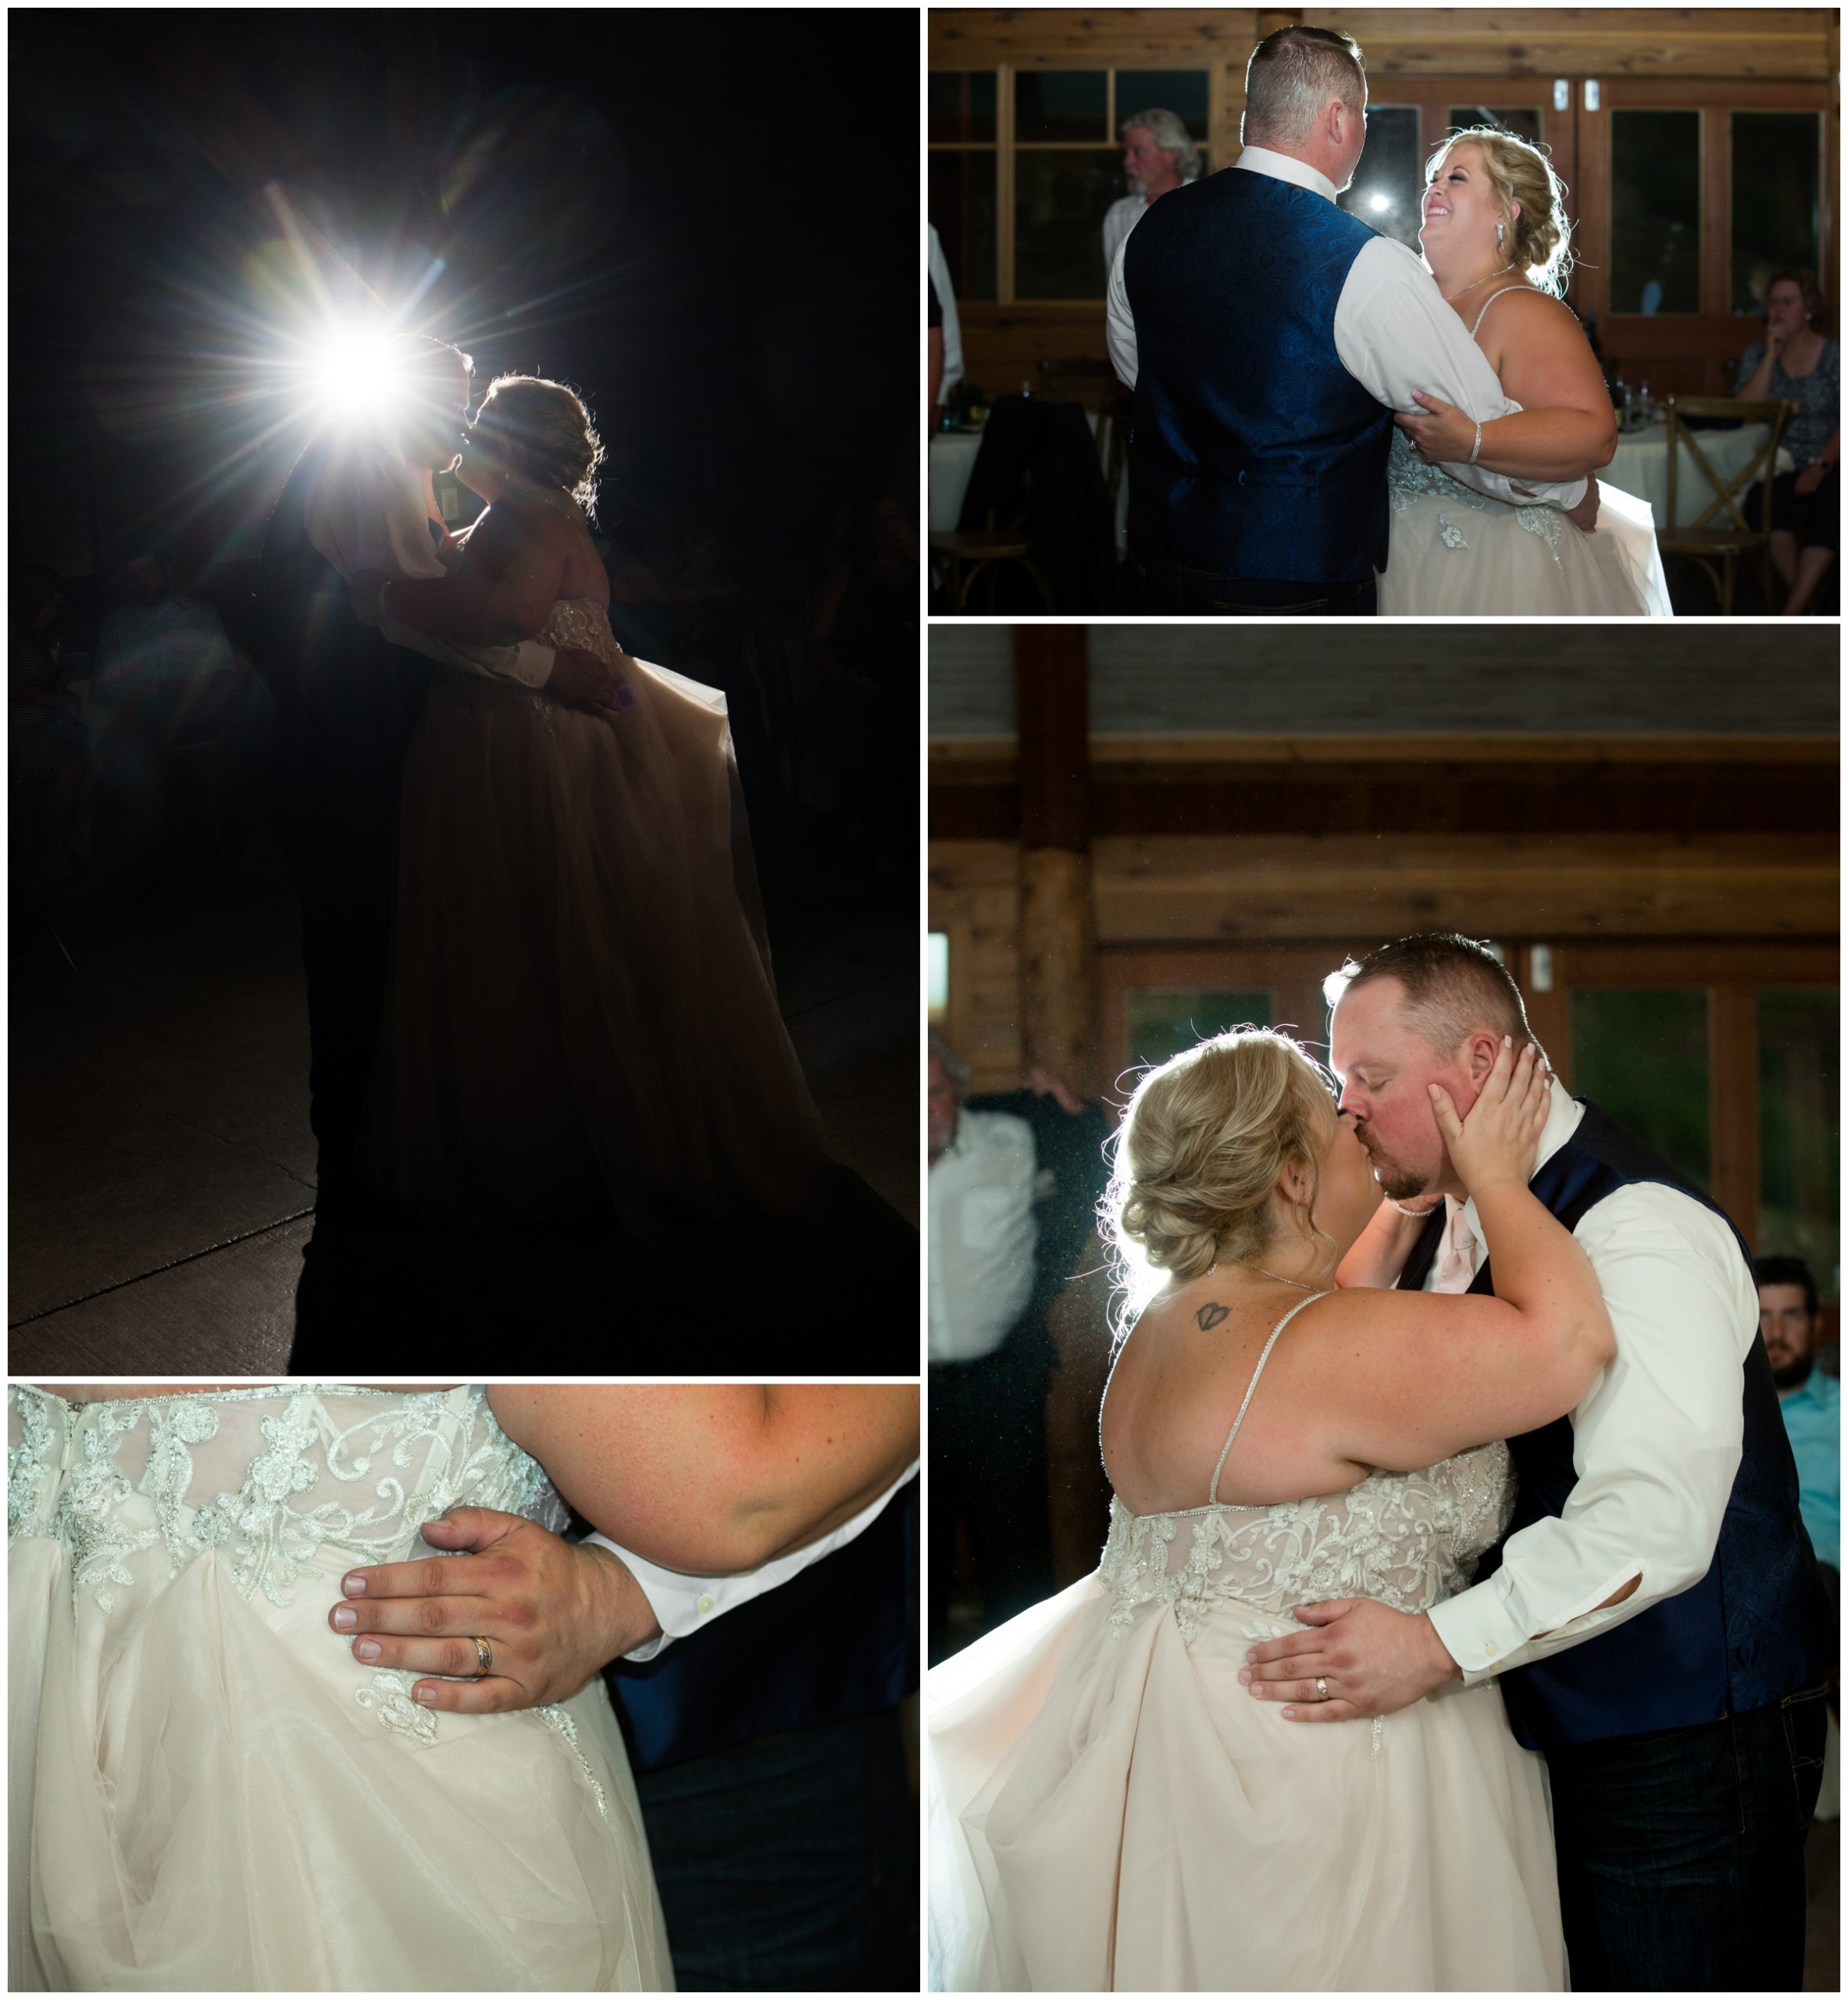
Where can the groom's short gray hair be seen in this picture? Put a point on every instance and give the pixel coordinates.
(1454, 987)
(1292, 74)
(1170, 136)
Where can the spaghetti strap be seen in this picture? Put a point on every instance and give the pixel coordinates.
(1491, 299)
(1213, 1495)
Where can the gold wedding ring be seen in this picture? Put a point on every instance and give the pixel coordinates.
(1321, 1686)
(485, 1654)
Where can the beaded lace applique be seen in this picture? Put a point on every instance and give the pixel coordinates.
(1410, 480)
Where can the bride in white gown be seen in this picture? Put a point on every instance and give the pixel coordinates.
(208, 1791)
(1495, 234)
(581, 1007)
(1108, 1808)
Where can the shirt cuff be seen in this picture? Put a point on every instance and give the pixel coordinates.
(1478, 1629)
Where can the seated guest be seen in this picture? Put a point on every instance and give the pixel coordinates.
(1812, 1402)
(1158, 156)
(1797, 362)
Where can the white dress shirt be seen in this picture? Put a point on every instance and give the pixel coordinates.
(683, 1604)
(366, 512)
(952, 327)
(1656, 1443)
(1393, 334)
(982, 1234)
(1121, 217)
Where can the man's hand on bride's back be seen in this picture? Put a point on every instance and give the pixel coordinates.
(552, 1612)
(1585, 516)
(581, 680)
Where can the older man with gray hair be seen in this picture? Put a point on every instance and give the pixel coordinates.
(1158, 156)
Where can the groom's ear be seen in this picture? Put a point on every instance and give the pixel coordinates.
(1481, 1052)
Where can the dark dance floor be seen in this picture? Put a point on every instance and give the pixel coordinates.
(163, 1170)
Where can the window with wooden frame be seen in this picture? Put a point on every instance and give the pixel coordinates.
(1025, 161)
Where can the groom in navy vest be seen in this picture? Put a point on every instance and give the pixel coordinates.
(1269, 336)
(1654, 1612)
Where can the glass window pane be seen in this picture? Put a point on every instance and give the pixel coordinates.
(1655, 211)
(1062, 105)
(1776, 171)
(1641, 1058)
(1800, 1173)
(1182, 91)
(1390, 177)
(1060, 199)
(962, 104)
(962, 212)
(1525, 121)
(1164, 1020)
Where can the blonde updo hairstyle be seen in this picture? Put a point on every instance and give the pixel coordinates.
(1205, 1140)
(542, 431)
(1522, 176)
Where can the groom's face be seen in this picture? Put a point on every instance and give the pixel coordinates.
(1386, 1066)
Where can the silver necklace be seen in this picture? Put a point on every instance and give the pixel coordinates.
(1451, 299)
(1263, 1273)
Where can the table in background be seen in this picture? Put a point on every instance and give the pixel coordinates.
(1641, 467)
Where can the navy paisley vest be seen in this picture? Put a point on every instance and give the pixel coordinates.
(840, 1639)
(1755, 1628)
(1252, 452)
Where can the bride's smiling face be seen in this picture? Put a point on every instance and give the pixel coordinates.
(1460, 210)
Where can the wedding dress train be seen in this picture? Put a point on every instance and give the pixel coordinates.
(207, 1792)
(1109, 1808)
(581, 1002)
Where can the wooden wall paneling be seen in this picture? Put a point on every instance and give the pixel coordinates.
(1486, 41)
(1549, 1010)
(1172, 888)
(1732, 1104)
(975, 900)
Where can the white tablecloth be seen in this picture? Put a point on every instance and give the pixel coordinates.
(1641, 467)
(952, 459)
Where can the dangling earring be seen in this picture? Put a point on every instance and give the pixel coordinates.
(1501, 231)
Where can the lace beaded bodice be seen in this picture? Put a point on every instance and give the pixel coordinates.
(277, 1482)
(267, 1477)
(582, 622)
(1407, 1539)
(1409, 480)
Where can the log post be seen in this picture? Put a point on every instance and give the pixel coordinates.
(1051, 695)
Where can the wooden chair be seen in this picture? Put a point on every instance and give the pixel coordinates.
(964, 553)
(1723, 542)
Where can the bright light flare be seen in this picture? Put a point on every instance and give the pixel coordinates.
(1380, 203)
(356, 374)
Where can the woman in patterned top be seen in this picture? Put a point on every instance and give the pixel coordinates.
(1797, 362)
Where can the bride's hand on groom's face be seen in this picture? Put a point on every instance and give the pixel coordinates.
(553, 1613)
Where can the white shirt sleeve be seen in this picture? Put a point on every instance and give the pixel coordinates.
(1394, 334)
(683, 1604)
(946, 299)
(365, 512)
(1119, 322)
(1656, 1443)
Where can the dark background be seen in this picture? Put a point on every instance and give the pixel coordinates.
(702, 218)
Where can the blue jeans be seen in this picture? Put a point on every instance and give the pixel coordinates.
(1681, 1852)
(789, 1863)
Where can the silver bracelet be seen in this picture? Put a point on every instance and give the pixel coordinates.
(1477, 446)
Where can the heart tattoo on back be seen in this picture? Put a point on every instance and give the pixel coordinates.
(1209, 1317)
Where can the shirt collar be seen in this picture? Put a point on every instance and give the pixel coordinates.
(1562, 1115)
(1283, 167)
